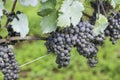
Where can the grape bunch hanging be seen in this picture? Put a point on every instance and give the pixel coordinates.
(8, 64)
(82, 37)
(113, 29)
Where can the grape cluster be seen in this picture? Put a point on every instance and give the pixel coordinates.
(12, 33)
(85, 45)
(80, 36)
(60, 44)
(8, 64)
(113, 30)
(93, 61)
(99, 39)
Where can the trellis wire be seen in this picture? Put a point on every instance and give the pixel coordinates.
(32, 61)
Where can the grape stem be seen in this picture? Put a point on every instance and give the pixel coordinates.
(4, 1)
(86, 15)
(98, 6)
(103, 8)
(12, 11)
(21, 38)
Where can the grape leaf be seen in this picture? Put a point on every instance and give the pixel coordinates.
(0, 18)
(101, 24)
(70, 12)
(21, 25)
(1, 7)
(29, 2)
(64, 20)
(88, 8)
(48, 23)
(46, 8)
(114, 3)
(76, 12)
(3, 32)
(44, 1)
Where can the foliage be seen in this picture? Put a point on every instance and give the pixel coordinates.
(3, 30)
(1, 7)
(30, 2)
(101, 24)
(70, 13)
(54, 14)
(48, 23)
(114, 3)
(66, 12)
(21, 25)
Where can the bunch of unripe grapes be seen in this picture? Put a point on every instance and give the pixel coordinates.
(8, 64)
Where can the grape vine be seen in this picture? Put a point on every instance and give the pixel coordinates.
(66, 23)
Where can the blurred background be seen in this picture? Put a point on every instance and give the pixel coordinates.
(108, 67)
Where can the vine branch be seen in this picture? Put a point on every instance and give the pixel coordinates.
(101, 3)
(86, 15)
(20, 38)
(12, 11)
(14, 5)
(98, 6)
(4, 1)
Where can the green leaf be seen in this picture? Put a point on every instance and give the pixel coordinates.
(88, 8)
(63, 20)
(76, 12)
(3, 32)
(46, 8)
(1, 7)
(101, 24)
(117, 8)
(44, 1)
(114, 3)
(48, 23)
(70, 13)
(21, 25)
(29, 2)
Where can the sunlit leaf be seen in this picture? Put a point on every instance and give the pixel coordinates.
(21, 25)
(100, 25)
(114, 3)
(70, 13)
(48, 23)
(29, 2)
(1, 7)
